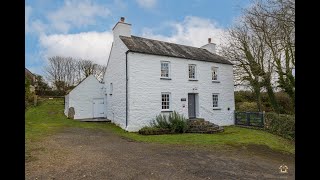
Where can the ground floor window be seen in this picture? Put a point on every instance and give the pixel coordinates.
(215, 100)
(165, 101)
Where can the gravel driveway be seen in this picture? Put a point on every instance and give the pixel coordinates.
(93, 154)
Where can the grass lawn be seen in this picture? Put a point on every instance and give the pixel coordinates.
(48, 118)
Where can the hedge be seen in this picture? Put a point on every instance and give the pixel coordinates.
(153, 131)
(243, 99)
(280, 124)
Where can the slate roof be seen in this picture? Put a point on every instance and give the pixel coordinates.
(155, 47)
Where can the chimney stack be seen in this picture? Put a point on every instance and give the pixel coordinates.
(121, 29)
(211, 47)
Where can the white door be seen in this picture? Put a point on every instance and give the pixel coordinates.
(98, 108)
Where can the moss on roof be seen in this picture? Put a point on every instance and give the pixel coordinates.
(155, 47)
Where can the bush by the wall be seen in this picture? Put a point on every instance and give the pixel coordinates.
(172, 123)
(280, 124)
(178, 123)
(153, 131)
(161, 121)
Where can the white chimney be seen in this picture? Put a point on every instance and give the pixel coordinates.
(121, 29)
(211, 47)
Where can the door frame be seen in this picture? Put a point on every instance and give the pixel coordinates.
(194, 106)
(93, 112)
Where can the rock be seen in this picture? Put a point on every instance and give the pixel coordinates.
(71, 113)
(201, 126)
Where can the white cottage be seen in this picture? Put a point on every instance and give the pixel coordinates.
(87, 99)
(146, 77)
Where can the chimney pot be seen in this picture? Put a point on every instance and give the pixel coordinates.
(209, 40)
(122, 19)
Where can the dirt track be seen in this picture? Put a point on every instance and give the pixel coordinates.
(90, 154)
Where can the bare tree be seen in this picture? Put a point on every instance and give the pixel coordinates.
(100, 71)
(66, 72)
(274, 20)
(262, 48)
(55, 71)
(70, 71)
(247, 54)
(88, 67)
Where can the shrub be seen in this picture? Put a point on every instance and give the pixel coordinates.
(161, 121)
(174, 122)
(29, 100)
(178, 123)
(280, 124)
(153, 131)
(247, 106)
(286, 104)
(242, 96)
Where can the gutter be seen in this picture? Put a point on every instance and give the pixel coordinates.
(127, 88)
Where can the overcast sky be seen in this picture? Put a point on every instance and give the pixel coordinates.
(82, 28)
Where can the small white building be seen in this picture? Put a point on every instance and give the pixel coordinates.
(146, 77)
(87, 99)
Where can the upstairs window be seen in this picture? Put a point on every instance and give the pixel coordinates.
(192, 71)
(165, 69)
(165, 101)
(214, 71)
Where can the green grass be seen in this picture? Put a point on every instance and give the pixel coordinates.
(48, 118)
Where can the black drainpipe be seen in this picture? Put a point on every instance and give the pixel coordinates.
(127, 88)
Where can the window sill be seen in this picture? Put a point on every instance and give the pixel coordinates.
(215, 81)
(216, 108)
(163, 78)
(193, 79)
(166, 111)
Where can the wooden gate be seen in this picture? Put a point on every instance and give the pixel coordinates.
(249, 119)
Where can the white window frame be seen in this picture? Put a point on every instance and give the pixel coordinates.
(195, 71)
(218, 97)
(111, 89)
(217, 73)
(169, 101)
(169, 70)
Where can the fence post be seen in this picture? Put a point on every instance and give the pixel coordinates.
(263, 120)
(248, 118)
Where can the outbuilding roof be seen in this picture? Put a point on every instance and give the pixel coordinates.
(155, 47)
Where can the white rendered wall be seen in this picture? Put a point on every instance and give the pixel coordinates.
(122, 29)
(145, 87)
(81, 97)
(116, 74)
(66, 104)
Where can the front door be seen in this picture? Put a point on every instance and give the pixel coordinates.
(98, 108)
(192, 105)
